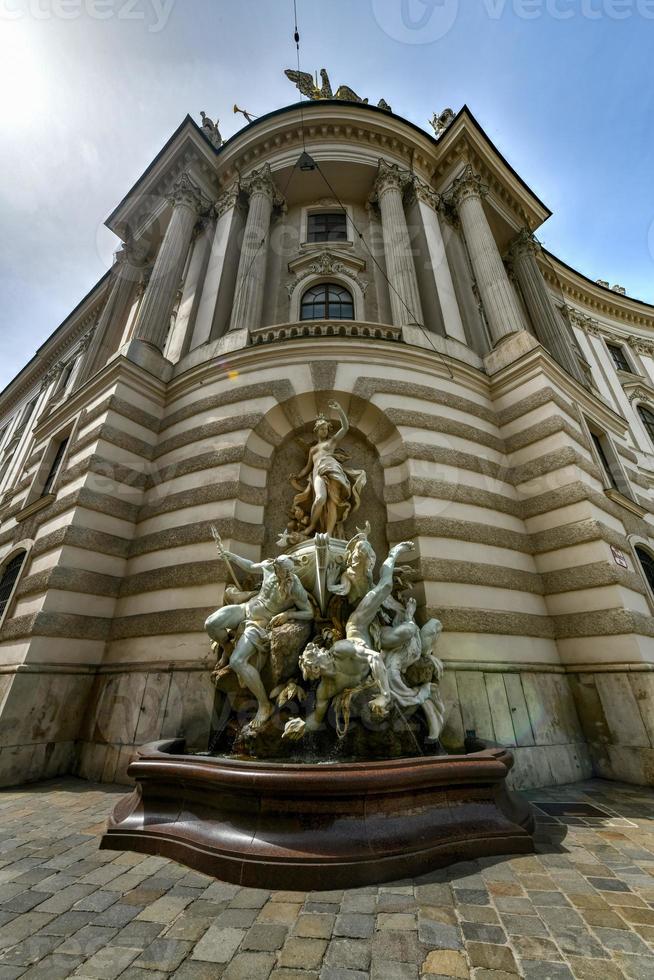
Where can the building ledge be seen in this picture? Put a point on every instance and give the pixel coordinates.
(325, 328)
(39, 504)
(626, 502)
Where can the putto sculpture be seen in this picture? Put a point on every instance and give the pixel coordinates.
(317, 642)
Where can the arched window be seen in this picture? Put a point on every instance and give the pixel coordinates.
(647, 418)
(327, 302)
(8, 578)
(647, 565)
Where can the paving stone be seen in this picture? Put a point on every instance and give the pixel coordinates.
(370, 903)
(618, 939)
(482, 933)
(96, 902)
(30, 950)
(356, 925)
(327, 973)
(281, 913)
(265, 937)
(138, 935)
(53, 967)
(585, 969)
(218, 944)
(164, 910)
(478, 913)
(108, 963)
(535, 948)
(250, 966)
(435, 894)
(446, 963)
(402, 947)
(636, 967)
(67, 923)
(237, 918)
(87, 941)
(536, 970)
(164, 954)
(250, 898)
(117, 916)
(382, 970)
(350, 954)
(194, 970)
(491, 957)
(447, 916)
(314, 925)
(471, 896)
(396, 920)
(22, 902)
(300, 954)
(439, 936)
(524, 925)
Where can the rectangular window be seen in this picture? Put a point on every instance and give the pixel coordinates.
(619, 358)
(601, 452)
(327, 226)
(54, 468)
(25, 416)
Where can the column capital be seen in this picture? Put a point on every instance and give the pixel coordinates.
(468, 184)
(525, 243)
(427, 194)
(261, 182)
(186, 193)
(390, 176)
(227, 200)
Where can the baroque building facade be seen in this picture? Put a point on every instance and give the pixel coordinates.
(502, 403)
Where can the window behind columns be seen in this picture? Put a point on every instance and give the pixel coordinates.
(327, 226)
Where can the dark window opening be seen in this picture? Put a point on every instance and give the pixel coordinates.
(54, 468)
(619, 358)
(8, 579)
(601, 452)
(647, 565)
(647, 418)
(65, 376)
(327, 302)
(327, 226)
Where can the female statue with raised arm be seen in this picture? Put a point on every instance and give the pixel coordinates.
(332, 492)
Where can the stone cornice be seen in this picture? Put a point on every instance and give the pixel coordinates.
(638, 390)
(427, 194)
(577, 289)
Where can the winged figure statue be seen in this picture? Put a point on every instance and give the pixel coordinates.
(304, 81)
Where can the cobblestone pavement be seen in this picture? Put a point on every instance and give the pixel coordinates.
(582, 907)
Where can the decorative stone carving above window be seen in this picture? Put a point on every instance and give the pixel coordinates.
(325, 328)
(641, 345)
(326, 263)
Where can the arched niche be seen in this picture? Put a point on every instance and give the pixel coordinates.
(290, 457)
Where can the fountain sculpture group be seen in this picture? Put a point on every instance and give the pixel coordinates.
(327, 768)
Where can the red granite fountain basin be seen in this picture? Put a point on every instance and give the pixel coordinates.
(319, 826)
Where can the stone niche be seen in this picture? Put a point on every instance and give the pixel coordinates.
(291, 456)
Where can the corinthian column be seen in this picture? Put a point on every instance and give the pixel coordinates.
(429, 203)
(153, 320)
(550, 329)
(389, 190)
(250, 280)
(125, 275)
(497, 294)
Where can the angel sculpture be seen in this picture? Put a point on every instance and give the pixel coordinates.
(331, 492)
(211, 131)
(440, 122)
(304, 81)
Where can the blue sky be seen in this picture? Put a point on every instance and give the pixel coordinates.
(91, 89)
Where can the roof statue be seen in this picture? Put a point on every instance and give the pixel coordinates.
(211, 131)
(307, 86)
(440, 122)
